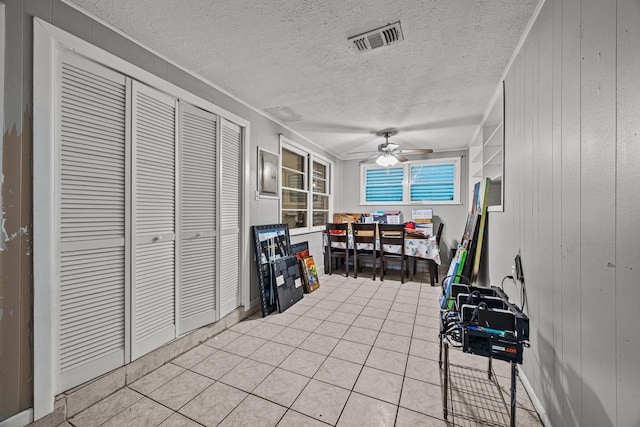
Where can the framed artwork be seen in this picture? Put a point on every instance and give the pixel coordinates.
(267, 173)
(310, 274)
(288, 284)
(272, 242)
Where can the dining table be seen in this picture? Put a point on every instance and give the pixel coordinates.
(414, 246)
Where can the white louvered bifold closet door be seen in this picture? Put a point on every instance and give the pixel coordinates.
(230, 189)
(197, 241)
(153, 263)
(91, 136)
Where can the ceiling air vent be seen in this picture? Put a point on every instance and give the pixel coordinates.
(379, 37)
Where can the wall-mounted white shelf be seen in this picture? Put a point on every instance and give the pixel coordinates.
(493, 135)
(492, 156)
(486, 154)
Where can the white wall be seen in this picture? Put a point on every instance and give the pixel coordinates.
(454, 217)
(572, 160)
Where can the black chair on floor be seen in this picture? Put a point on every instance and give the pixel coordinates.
(394, 235)
(338, 234)
(364, 234)
(433, 267)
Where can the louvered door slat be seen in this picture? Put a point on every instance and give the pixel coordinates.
(230, 189)
(198, 217)
(91, 116)
(153, 290)
(229, 276)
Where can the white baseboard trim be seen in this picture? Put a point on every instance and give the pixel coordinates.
(19, 420)
(537, 404)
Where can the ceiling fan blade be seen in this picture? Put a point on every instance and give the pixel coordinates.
(368, 159)
(361, 152)
(400, 157)
(416, 151)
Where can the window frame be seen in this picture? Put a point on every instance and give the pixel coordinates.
(315, 158)
(310, 157)
(406, 181)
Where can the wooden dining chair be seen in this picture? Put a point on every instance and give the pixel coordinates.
(392, 234)
(339, 234)
(364, 234)
(431, 264)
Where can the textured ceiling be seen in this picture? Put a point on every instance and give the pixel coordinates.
(291, 59)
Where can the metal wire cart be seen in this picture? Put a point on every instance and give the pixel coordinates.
(483, 322)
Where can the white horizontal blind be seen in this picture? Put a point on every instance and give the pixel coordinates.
(230, 189)
(432, 182)
(197, 218)
(384, 185)
(91, 117)
(153, 290)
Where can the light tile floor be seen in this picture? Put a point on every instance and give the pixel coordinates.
(356, 352)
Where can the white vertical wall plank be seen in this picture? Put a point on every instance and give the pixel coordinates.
(543, 236)
(558, 395)
(526, 164)
(627, 232)
(597, 234)
(571, 216)
(518, 154)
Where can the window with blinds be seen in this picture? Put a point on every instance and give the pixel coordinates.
(432, 182)
(415, 182)
(384, 185)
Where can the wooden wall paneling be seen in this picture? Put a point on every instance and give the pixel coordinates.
(555, 409)
(627, 232)
(571, 215)
(543, 236)
(597, 206)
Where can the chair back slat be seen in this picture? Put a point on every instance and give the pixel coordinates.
(392, 234)
(364, 233)
(337, 233)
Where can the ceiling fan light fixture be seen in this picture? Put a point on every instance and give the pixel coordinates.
(386, 160)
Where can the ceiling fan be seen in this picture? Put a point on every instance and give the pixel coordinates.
(388, 153)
